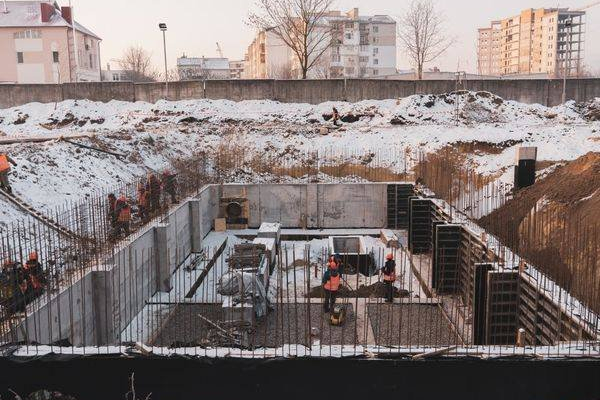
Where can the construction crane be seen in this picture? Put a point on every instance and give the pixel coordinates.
(219, 50)
(594, 4)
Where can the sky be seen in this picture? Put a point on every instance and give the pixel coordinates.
(195, 26)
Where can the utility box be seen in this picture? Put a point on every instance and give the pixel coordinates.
(525, 165)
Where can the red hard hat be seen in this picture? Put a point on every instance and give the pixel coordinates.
(390, 256)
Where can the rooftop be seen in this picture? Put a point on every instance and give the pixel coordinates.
(28, 14)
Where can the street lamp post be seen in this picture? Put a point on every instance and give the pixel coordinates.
(163, 27)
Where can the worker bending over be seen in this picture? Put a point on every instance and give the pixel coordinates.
(5, 162)
(389, 277)
(331, 284)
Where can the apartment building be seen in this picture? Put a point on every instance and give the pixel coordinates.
(361, 47)
(546, 41)
(488, 50)
(191, 68)
(236, 69)
(268, 57)
(41, 43)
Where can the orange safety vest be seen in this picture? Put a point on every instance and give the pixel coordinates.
(389, 278)
(125, 214)
(4, 164)
(333, 284)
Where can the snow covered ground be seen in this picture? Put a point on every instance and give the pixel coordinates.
(152, 136)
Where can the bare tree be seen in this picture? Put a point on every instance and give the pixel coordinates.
(421, 31)
(282, 71)
(299, 24)
(322, 68)
(138, 63)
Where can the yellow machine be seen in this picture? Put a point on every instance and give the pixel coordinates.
(338, 315)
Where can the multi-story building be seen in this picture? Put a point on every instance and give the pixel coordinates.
(190, 68)
(236, 69)
(488, 50)
(545, 41)
(268, 57)
(40, 43)
(361, 46)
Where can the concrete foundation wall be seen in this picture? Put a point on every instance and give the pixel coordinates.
(542, 91)
(179, 238)
(65, 317)
(318, 206)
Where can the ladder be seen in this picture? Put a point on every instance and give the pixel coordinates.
(38, 215)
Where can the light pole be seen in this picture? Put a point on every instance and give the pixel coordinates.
(163, 27)
(568, 26)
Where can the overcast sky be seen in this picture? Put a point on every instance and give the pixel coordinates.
(196, 25)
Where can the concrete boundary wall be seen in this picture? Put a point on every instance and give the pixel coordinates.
(541, 91)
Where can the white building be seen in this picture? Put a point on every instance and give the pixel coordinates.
(361, 47)
(115, 75)
(236, 69)
(190, 68)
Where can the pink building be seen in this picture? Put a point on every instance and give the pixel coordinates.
(37, 45)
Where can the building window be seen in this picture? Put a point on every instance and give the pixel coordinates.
(375, 51)
(348, 36)
(375, 72)
(375, 61)
(349, 25)
(55, 57)
(19, 57)
(376, 29)
(28, 34)
(91, 61)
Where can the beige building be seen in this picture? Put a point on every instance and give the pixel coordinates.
(361, 46)
(546, 41)
(268, 57)
(38, 45)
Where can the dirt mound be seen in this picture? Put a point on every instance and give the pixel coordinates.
(553, 225)
(567, 186)
(377, 289)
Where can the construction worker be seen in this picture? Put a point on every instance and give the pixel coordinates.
(153, 191)
(123, 211)
(335, 116)
(35, 275)
(389, 277)
(331, 283)
(13, 286)
(169, 184)
(5, 162)
(142, 202)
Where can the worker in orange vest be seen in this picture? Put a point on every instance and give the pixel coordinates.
(5, 162)
(123, 211)
(331, 284)
(389, 277)
(142, 199)
(34, 274)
